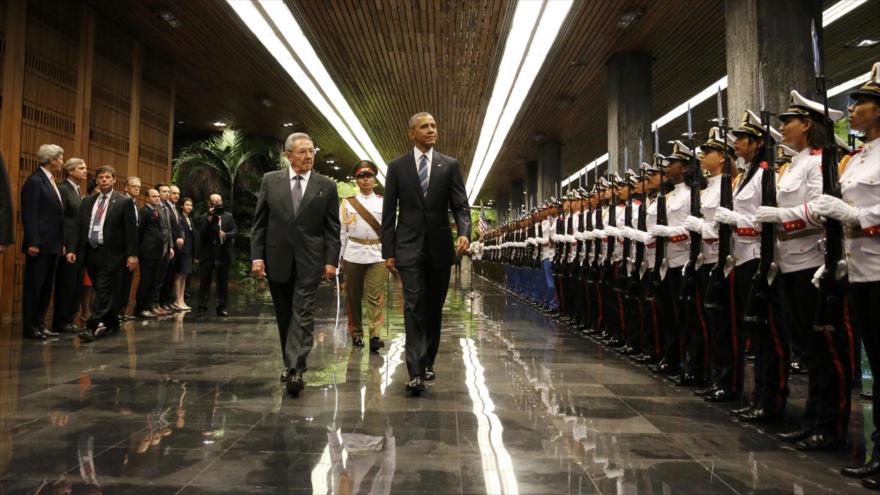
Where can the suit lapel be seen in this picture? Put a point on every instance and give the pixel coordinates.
(436, 170)
(411, 171)
(311, 190)
(284, 185)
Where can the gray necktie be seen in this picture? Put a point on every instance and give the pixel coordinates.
(297, 193)
(423, 174)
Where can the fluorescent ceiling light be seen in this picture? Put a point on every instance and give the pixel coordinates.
(830, 15)
(534, 29)
(588, 168)
(839, 10)
(852, 83)
(266, 20)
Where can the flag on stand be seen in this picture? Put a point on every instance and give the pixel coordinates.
(482, 226)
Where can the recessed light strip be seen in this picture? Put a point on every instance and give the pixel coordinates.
(839, 9)
(549, 21)
(266, 31)
(852, 83)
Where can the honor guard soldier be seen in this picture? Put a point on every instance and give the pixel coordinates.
(767, 400)
(362, 262)
(859, 212)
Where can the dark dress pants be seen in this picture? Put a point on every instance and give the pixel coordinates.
(671, 323)
(207, 269)
(68, 288)
(294, 303)
(106, 280)
(862, 300)
(149, 269)
(424, 293)
(725, 343)
(39, 277)
(125, 290)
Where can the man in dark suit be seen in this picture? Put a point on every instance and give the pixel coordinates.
(167, 297)
(169, 212)
(216, 231)
(425, 184)
(6, 225)
(42, 217)
(295, 243)
(69, 275)
(154, 247)
(107, 238)
(132, 189)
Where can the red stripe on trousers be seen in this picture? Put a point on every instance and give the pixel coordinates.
(777, 344)
(841, 383)
(705, 331)
(622, 319)
(601, 308)
(733, 332)
(849, 336)
(655, 326)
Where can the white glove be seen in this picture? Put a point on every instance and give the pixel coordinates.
(626, 232)
(599, 233)
(767, 214)
(829, 206)
(723, 215)
(578, 236)
(660, 231)
(612, 231)
(642, 236)
(694, 224)
(818, 276)
(553, 237)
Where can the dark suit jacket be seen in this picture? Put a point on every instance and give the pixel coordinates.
(6, 225)
(174, 221)
(423, 219)
(42, 215)
(207, 233)
(72, 203)
(120, 232)
(154, 234)
(310, 240)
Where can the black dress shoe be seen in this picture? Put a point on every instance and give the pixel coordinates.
(357, 341)
(761, 415)
(687, 380)
(295, 383)
(429, 374)
(721, 395)
(35, 335)
(222, 312)
(703, 392)
(375, 344)
(69, 328)
(870, 468)
(49, 333)
(794, 436)
(415, 386)
(819, 442)
(743, 410)
(86, 336)
(871, 483)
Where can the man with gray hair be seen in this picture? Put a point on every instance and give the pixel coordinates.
(69, 275)
(295, 243)
(42, 219)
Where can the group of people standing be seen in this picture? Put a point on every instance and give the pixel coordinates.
(686, 262)
(92, 242)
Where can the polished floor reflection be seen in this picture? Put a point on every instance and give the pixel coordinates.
(520, 405)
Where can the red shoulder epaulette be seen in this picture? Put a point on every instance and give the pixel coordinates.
(763, 165)
(816, 151)
(378, 195)
(856, 151)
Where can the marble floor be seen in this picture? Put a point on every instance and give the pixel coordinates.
(193, 405)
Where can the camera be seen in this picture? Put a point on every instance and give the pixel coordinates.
(218, 209)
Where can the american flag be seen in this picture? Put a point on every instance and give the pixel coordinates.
(482, 226)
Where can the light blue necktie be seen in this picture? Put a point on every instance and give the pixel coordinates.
(423, 174)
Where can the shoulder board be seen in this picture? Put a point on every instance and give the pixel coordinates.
(816, 151)
(856, 151)
(763, 165)
(736, 180)
(782, 169)
(378, 195)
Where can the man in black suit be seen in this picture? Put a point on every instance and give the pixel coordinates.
(107, 237)
(295, 243)
(132, 190)
(6, 225)
(167, 297)
(154, 246)
(425, 184)
(216, 231)
(169, 212)
(42, 217)
(69, 275)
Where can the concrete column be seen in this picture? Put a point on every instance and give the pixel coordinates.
(532, 183)
(772, 38)
(549, 168)
(516, 196)
(629, 108)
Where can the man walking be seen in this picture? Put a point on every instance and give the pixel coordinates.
(295, 243)
(425, 184)
(69, 275)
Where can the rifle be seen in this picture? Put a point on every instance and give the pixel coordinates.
(716, 290)
(829, 304)
(639, 265)
(695, 258)
(597, 256)
(660, 262)
(623, 279)
(757, 304)
(612, 222)
(589, 244)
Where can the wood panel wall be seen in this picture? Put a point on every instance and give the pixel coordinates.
(71, 78)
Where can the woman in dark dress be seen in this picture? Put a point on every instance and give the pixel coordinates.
(185, 253)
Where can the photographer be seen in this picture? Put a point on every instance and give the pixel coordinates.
(216, 250)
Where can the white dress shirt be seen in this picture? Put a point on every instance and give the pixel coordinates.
(75, 187)
(417, 153)
(305, 180)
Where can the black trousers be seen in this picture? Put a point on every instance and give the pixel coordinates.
(825, 352)
(725, 342)
(424, 293)
(294, 303)
(612, 302)
(207, 269)
(671, 320)
(39, 277)
(106, 280)
(68, 288)
(125, 290)
(166, 290)
(696, 342)
(599, 323)
(150, 272)
(862, 300)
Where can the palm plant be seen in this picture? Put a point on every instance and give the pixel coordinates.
(221, 156)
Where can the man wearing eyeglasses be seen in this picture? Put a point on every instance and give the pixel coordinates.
(417, 240)
(295, 244)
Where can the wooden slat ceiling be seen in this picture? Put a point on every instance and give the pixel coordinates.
(392, 58)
